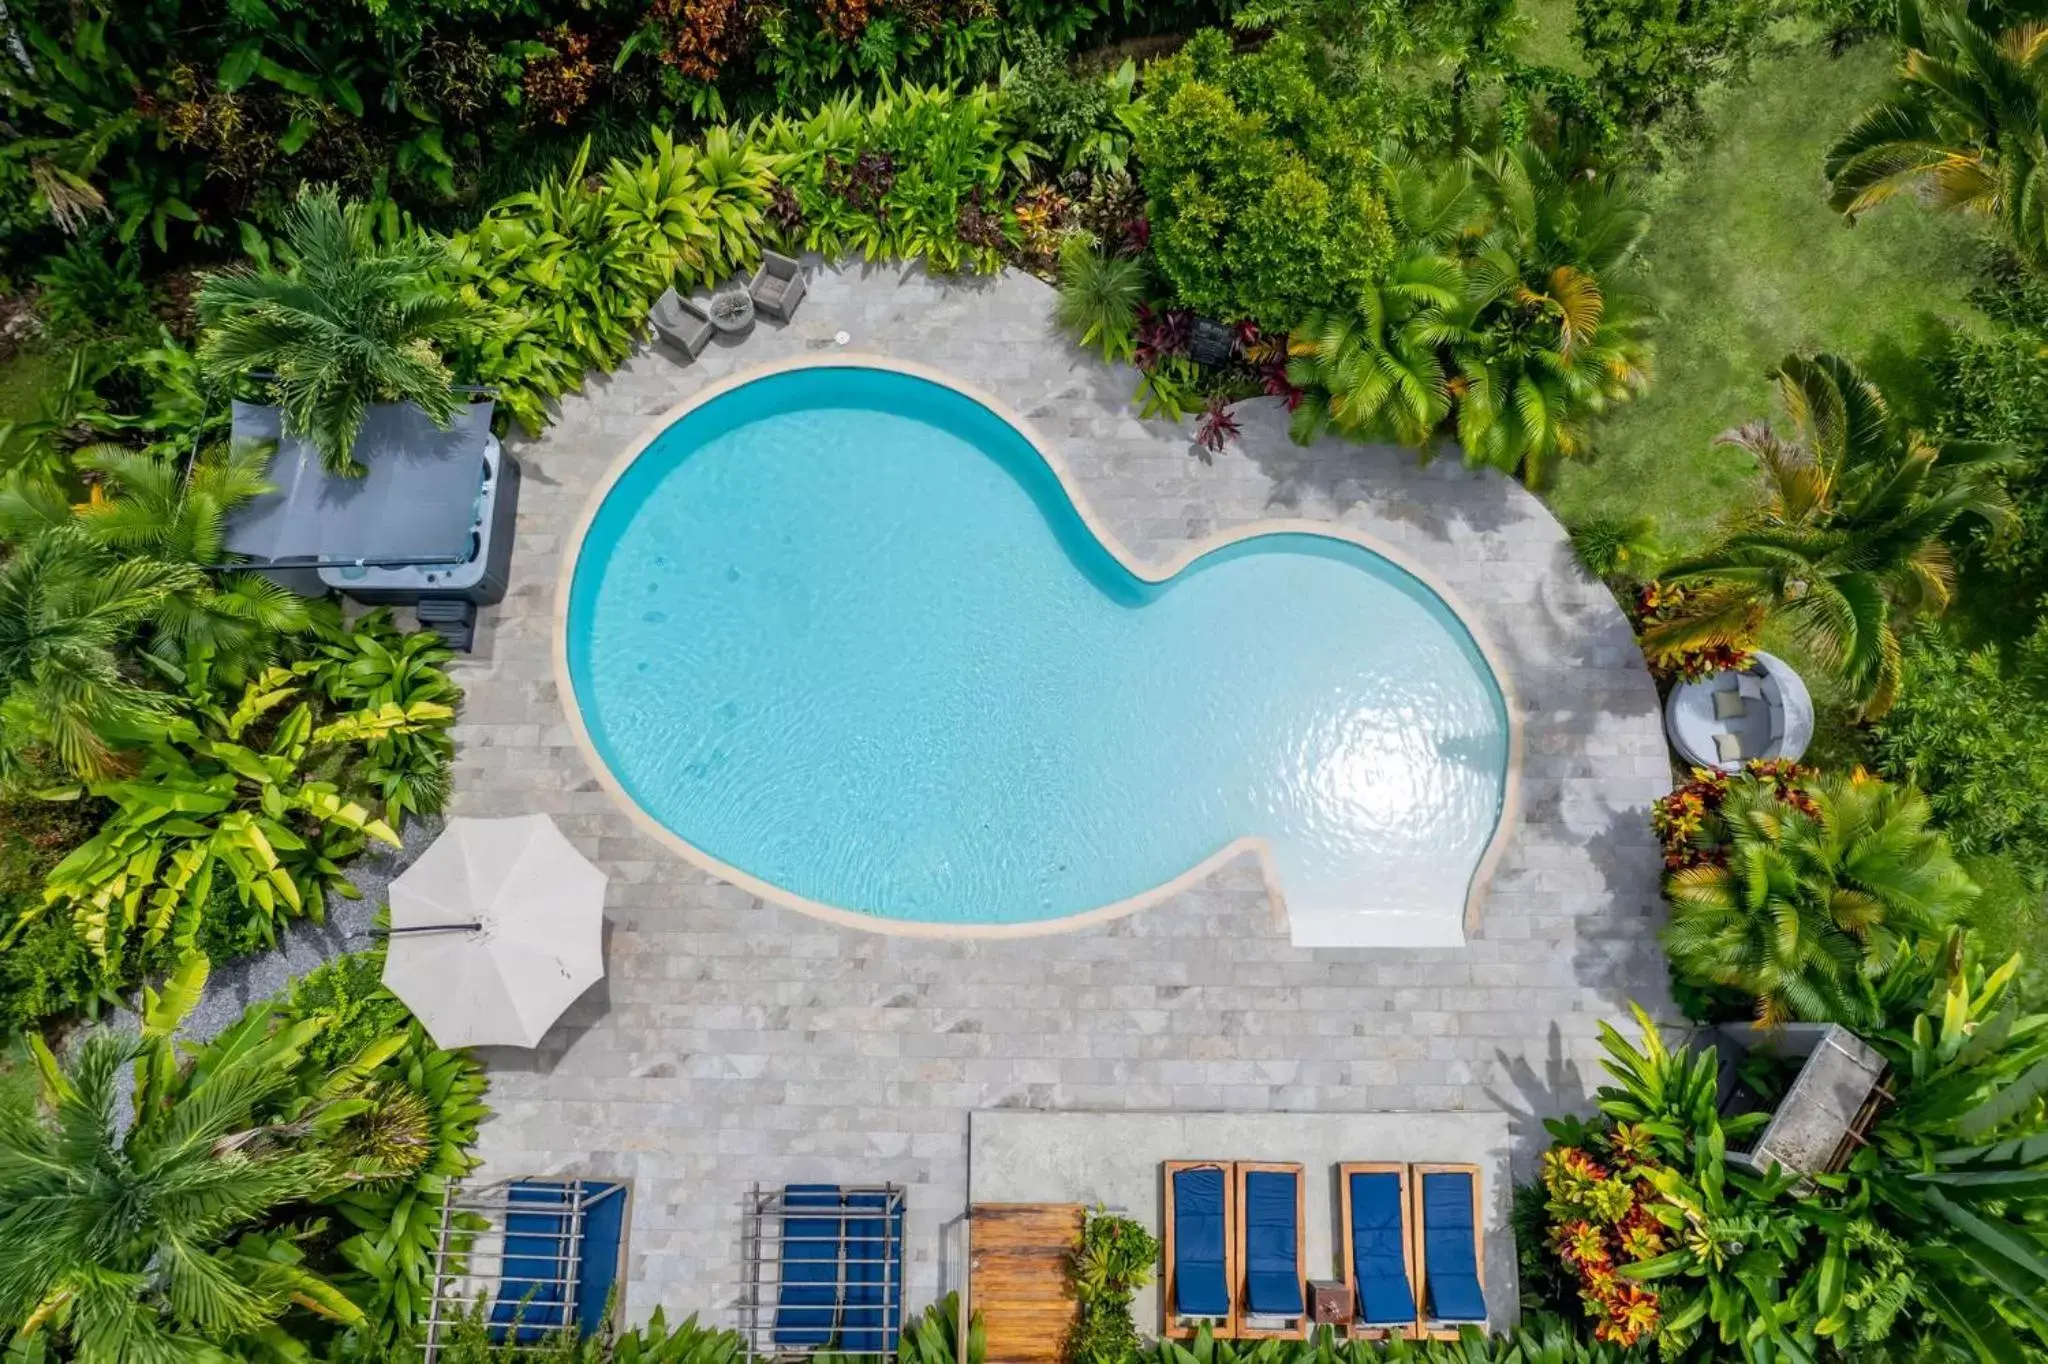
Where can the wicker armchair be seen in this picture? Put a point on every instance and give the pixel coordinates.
(778, 286)
(681, 323)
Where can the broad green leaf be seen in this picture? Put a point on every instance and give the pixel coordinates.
(162, 1013)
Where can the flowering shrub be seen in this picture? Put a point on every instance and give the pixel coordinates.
(1688, 820)
(1658, 603)
(1604, 1214)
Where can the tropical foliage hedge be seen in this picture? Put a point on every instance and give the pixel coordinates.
(218, 1213)
(1927, 1235)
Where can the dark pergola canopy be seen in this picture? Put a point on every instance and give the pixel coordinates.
(416, 504)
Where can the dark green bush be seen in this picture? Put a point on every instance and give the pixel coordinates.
(94, 286)
(1072, 116)
(1113, 1261)
(1967, 729)
(1993, 386)
(1259, 183)
(45, 972)
(48, 969)
(1653, 58)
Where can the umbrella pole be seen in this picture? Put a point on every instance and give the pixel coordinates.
(433, 928)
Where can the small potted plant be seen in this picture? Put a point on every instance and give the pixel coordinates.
(732, 311)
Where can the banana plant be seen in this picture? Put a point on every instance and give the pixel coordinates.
(205, 802)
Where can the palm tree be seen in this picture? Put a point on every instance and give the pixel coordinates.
(1379, 369)
(1810, 903)
(1551, 335)
(66, 608)
(228, 622)
(1538, 361)
(129, 1242)
(350, 321)
(1846, 533)
(1504, 307)
(1969, 126)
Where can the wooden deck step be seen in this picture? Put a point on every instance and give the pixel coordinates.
(1018, 1279)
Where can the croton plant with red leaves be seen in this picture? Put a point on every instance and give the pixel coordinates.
(1604, 1216)
(1688, 820)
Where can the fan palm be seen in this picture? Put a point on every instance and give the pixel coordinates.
(1552, 334)
(1538, 360)
(66, 608)
(1379, 368)
(1846, 533)
(1504, 307)
(350, 321)
(227, 622)
(117, 1236)
(1969, 125)
(1811, 903)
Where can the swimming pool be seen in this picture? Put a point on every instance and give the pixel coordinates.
(839, 633)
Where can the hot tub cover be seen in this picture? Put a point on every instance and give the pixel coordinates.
(415, 504)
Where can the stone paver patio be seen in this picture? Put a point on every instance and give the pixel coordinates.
(735, 1041)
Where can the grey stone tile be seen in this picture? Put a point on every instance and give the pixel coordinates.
(735, 1041)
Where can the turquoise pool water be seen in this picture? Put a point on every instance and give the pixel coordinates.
(842, 629)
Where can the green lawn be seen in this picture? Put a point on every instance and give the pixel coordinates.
(1548, 38)
(1746, 262)
(22, 381)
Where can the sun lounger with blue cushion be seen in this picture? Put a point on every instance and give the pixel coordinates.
(561, 1257)
(1270, 1202)
(873, 1315)
(1201, 1235)
(807, 1291)
(1447, 1209)
(1379, 1254)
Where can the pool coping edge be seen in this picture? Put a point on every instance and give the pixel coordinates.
(1483, 869)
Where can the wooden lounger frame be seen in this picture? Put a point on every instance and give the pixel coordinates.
(1359, 1330)
(1242, 1308)
(1421, 1243)
(1171, 1326)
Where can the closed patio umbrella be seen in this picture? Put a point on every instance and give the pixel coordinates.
(495, 930)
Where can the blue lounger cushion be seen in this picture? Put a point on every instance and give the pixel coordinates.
(1272, 1267)
(874, 1276)
(1450, 1249)
(533, 1284)
(1200, 1288)
(535, 1271)
(1378, 1256)
(807, 1297)
(597, 1265)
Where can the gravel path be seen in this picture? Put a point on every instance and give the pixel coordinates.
(231, 987)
